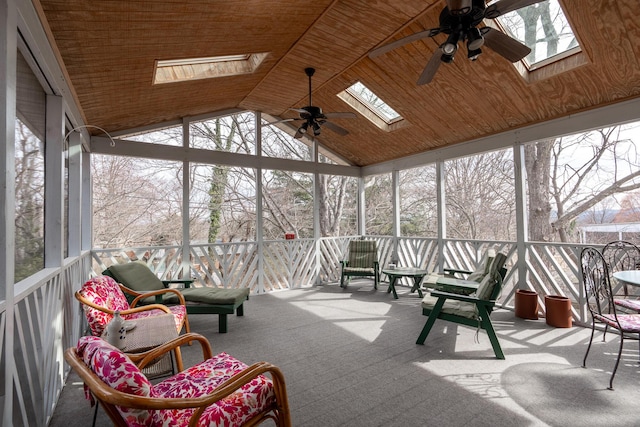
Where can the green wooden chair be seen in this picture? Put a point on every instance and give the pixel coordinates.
(138, 278)
(362, 262)
(466, 302)
(439, 281)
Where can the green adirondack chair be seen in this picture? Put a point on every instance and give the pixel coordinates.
(466, 302)
(362, 262)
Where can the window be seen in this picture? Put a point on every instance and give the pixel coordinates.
(178, 70)
(30, 173)
(418, 202)
(277, 143)
(287, 204)
(136, 202)
(167, 136)
(378, 200)
(544, 28)
(222, 204)
(232, 134)
(480, 196)
(372, 107)
(338, 201)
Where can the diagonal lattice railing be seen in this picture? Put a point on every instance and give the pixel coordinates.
(552, 269)
(48, 319)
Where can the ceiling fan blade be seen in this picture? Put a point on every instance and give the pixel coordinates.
(393, 45)
(431, 68)
(340, 115)
(504, 45)
(279, 121)
(337, 129)
(505, 6)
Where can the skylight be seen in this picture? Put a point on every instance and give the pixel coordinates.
(551, 40)
(177, 70)
(371, 106)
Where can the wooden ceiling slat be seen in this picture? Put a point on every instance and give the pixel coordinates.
(109, 50)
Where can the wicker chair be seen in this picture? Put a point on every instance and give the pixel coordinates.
(221, 390)
(101, 296)
(362, 262)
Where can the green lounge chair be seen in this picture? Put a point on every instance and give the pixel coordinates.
(202, 300)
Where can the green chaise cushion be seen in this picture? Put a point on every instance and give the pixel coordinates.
(205, 296)
(137, 276)
(215, 296)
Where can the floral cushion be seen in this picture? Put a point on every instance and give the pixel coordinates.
(102, 291)
(116, 370)
(234, 410)
(631, 304)
(628, 322)
(105, 292)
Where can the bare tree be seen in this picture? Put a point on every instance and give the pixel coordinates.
(538, 166)
(570, 186)
(378, 205)
(334, 192)
(612, 168)
(29, 191)
(480, 197)
(418, 202)
(134, 202)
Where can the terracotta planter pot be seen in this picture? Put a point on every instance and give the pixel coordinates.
(558, 311)
(526, 304)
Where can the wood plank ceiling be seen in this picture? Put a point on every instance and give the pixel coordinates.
(109, 49)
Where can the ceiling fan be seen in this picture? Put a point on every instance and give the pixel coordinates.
(459, 19)
(313, 119)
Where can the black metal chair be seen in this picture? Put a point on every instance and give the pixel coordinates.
(600, 302)
(621, 255)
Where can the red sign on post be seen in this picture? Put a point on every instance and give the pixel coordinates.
(289, 236)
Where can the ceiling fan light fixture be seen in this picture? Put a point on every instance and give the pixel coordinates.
(303, 129)
(451, 45)
(473, 54)
(316, 129)
(474, 39)
(446, 58)
(449, 48)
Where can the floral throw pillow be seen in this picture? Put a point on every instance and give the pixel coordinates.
(119, 372)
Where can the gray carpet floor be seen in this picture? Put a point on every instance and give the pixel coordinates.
(350, 359)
